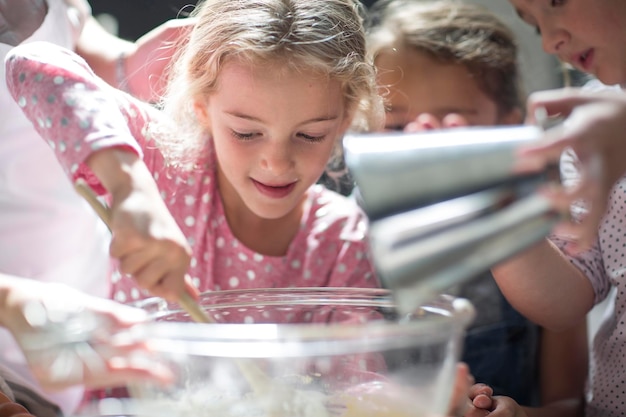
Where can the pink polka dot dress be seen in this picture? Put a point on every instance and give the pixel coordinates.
(605, 267)
(77, 114)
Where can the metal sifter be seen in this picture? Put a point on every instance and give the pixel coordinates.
(446, 205)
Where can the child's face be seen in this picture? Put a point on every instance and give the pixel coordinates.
(274, 131)
(414, 84)
(588, 34)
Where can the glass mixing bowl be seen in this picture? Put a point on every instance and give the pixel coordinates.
(301, 352)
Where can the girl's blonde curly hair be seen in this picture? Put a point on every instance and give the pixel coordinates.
(325, 36)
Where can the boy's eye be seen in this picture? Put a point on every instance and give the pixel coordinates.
(555, 3)
(537, 30)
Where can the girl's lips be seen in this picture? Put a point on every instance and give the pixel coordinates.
(274, 191)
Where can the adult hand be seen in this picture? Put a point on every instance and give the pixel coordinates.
(71, 338)
(594, 130)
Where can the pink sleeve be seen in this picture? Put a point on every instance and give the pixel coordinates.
(590, 262)
(76, 112)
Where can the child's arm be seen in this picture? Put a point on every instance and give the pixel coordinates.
(94, 128)
(39, 315)
(69, 106)
(542, 284)
(137, 67)
(564, 363)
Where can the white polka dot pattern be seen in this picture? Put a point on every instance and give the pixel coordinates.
(605, 265)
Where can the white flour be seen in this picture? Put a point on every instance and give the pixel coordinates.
(279, 403)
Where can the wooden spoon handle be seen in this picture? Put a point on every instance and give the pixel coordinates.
(99, 207)
(257, 379)
(186, 301)
(193, 309)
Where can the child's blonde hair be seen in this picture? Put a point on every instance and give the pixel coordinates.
(453, 32)
(326, 36)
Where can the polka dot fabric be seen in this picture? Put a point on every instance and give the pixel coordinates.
(77, 114)
(605, 265)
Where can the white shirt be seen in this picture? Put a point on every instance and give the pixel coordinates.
(47, 232)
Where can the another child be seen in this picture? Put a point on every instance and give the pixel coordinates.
(259, 97)
(446, 64)
(551, 283)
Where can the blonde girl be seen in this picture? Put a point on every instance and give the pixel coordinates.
(219, 187)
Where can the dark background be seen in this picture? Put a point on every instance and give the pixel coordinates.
(136, 17)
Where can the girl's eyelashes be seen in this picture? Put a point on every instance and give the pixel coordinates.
(249, 136)
(242, 136)
(311, 138)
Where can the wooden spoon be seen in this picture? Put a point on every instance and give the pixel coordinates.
(262, 385)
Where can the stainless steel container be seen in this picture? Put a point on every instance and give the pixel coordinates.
(396, 172)
(446, 205)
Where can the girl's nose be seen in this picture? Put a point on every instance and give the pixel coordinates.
(553, 40)
(277, 157)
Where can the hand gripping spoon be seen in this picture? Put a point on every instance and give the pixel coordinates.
(282, 397)
(258, 380)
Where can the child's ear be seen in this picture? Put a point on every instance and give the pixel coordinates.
(200, 109)
(514, 117)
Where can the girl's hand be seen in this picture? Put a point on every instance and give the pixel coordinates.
(71, 338)
(149, 244)
(146, 239)
(594, 130)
